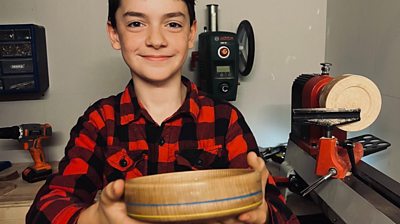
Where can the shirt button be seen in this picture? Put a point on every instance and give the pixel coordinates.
(161, 142)
(123, 163)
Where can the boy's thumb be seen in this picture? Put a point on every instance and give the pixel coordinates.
(112, 192)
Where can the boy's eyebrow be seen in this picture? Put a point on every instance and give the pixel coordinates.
(142, 15)
(174, 14)
(133, 14)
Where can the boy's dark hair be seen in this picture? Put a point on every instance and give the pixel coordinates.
(114, 4)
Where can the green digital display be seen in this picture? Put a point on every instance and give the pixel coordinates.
(224, 69)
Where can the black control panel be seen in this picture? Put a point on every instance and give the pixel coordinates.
(218, 64)
(23, 60)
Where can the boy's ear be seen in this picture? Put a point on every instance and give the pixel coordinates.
(192, 35)
(113, 35)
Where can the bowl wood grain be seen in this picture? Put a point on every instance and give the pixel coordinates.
(193, 195)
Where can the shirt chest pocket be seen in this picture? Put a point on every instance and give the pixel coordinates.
(119, 159)
(210, 157)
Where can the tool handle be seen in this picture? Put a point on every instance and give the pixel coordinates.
(332, 172)
(37, 154)
(349, 146)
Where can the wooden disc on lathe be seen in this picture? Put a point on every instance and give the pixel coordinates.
(353, 91)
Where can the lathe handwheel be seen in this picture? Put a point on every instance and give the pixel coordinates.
(245, 37)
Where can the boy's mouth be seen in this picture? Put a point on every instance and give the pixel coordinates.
(156, 57)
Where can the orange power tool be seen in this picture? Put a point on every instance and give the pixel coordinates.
(31, 136)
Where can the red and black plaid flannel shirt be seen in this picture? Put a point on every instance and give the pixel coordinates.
(117, 138)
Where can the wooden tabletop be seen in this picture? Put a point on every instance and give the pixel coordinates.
(18, 192)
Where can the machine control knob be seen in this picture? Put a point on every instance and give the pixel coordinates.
(326, 67)
(224, 87)
(223, 52)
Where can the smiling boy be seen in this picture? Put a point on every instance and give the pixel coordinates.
(160, 123)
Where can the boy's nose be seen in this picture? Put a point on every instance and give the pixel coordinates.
(156, 39)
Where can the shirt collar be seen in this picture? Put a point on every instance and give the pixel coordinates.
(131, 109)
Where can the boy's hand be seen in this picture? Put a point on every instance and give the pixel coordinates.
(258, 215)
(110, 208)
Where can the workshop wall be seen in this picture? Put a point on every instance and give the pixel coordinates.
(290, 40)
(363, 37)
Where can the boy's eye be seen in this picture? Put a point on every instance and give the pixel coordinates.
(135, 24)
(174, 25)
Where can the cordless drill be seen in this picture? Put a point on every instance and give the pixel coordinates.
(31, 135)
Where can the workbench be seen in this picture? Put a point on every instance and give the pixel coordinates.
(15, 203)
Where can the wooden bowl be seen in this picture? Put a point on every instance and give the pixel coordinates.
(193, 195)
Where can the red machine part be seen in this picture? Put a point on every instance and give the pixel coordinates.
(310, 99)
(312, 89)
(326, 150)
(332, 156)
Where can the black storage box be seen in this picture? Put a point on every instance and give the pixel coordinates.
(23, 60)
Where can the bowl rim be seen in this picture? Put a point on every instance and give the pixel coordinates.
(140, 180)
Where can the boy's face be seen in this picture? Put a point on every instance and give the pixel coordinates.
(154, 37)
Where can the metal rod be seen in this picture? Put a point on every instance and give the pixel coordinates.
(332, 172)
(212, 17)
